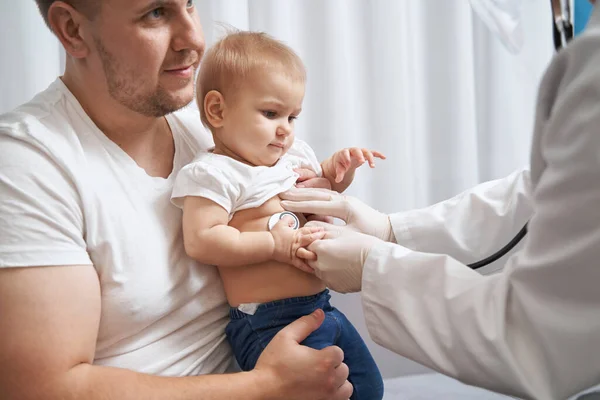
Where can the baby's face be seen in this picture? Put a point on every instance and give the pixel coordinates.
(258, 126)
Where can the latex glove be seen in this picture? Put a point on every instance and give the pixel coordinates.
(354, 212)
(307, 178)
(341, 256)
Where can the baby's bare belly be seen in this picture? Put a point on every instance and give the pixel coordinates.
(259, 283)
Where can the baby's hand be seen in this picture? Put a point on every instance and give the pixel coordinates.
(290, 244)
(349, 159)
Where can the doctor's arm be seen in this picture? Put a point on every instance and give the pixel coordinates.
(471, 225)
(532, 331)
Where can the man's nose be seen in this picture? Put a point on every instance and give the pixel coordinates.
(188, 34)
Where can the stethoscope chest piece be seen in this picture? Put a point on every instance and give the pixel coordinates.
(275, 218)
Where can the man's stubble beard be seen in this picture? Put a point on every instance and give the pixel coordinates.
(125, 86)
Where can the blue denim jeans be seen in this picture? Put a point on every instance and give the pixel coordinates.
(250, 334)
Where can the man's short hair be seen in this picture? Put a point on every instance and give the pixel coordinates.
(235, 58)
(88, 7)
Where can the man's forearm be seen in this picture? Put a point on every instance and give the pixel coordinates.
(102, 383)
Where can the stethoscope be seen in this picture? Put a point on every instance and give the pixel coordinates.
(562, 30)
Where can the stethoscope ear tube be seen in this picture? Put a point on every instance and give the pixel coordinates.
(562, 25)
(501, 252)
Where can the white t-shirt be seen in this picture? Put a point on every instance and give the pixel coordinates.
(237, 186)
(69, 196)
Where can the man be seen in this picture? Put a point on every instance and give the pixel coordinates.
(97, 295)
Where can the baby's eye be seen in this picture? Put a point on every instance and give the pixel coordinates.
(292, 118)
(270, 114)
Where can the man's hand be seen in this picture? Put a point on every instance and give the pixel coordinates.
(300, 372)
(290, 244)
(355, 213)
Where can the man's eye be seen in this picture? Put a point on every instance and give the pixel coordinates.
(157, 13)
(270, 114)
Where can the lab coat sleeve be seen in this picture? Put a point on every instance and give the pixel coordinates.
(532, 331)
(472, 225)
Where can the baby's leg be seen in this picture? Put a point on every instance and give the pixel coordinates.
(364, 373)
(248, 336)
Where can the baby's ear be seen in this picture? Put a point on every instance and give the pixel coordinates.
(214, 106)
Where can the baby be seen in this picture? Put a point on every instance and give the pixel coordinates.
(250, 90)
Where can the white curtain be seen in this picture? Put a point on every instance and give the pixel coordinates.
(424, 81)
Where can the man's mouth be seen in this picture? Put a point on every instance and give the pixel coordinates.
(182, 71)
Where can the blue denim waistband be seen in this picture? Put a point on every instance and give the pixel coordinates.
(234, 313)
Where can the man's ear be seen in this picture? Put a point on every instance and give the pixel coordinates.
(214, 108)
(65, 21)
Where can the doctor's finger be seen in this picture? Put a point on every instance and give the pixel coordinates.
(321, 218)
(298, 194)
(321, 224)
(328, 208)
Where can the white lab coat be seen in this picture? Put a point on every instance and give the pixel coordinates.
(532, 330)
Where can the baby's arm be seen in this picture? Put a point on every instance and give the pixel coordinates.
(339, 169)
(208, 238)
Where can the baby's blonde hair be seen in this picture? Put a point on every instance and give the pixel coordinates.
(239, 55)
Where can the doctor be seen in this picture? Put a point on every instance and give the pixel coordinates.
(532, 331)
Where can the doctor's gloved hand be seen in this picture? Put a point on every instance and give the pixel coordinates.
(357, 215)
(341, 256)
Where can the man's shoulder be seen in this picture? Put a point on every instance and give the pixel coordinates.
(39, 119)
(46, 127)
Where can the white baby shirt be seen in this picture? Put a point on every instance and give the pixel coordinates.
(237, 186)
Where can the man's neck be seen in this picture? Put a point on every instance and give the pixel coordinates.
(147, 140)
(117, 122)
